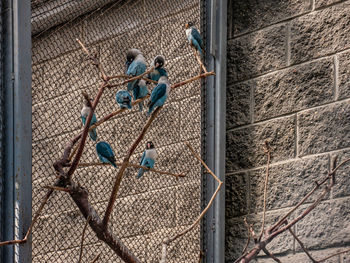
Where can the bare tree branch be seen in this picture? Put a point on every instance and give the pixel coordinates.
(82, 239)
(168, 240)
(302, 246)
(125, 164)
(267, 151)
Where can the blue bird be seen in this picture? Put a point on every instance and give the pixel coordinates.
(158, 71)
(159, 94)
(123, 98)
(136, 65)
(148, 158)
(194, 38)
(84, 114)
(105, 153)
(140, 91)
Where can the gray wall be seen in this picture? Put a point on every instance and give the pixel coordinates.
(288, 83)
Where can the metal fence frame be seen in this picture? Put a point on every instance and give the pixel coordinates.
(18, 145)
(213, 226)
(18, 130)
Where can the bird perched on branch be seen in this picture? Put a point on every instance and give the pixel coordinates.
(136, 65)
(158, 71)
(194, 38)
(159, 94)
(123, 98)
(140, 91)
(84, 114)
(148, 158)
(105, 153)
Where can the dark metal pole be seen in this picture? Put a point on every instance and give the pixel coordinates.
(18, 108)
(215, 126)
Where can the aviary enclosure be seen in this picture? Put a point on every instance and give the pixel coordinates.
(76, 46)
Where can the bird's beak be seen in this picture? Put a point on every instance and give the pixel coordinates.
(156, 65)
(186, 26)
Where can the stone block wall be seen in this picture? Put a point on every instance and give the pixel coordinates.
(148, 209)
(288, 83)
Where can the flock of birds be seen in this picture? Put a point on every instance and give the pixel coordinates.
(135, 66)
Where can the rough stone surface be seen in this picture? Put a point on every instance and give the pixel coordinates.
(327, 225)
(238, 102)
(324, 3)
(320, 33)
(301, 257)
(324, 129)
(342, 187)
(344, 73)
(294, 89)
(256, 53)
(288, 83)
(252, 14)
(245, 145)
(283, 181)
(236, 195)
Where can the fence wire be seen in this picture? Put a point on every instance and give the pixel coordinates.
(147, 209)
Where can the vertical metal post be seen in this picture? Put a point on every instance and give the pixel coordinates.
(18, 108)
(215, 121)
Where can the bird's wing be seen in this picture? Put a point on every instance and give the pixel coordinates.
(83, 119)
(162, 72)
(136, 68)
(197, 36)
(93, 120)
(158, 92)
(143, 157)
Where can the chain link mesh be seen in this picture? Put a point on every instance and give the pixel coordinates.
(147, 209)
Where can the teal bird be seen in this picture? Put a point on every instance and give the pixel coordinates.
(123, 98)
(159, 94)
(84, 114)
(136, 65)
(194, 38)
(148, 158)
(158, 71)
(105, 153)
(140, 91)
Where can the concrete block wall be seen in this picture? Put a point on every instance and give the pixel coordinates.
(149, 209)
(288, 83)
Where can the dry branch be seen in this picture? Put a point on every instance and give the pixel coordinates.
(125, 164)
(168, 240)
(37, 214)
(82, 239)
(277, 228)
(267, 151)
(133, 165)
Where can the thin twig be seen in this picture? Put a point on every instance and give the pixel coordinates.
(96, 258)
(132, 165)
(333, 255)
(268, 253)
(82, 238)
(248, 239)
(56, 188)
(37, 214)
(131, 79)
(121, 171)
(302, 246)
(168, 240)
(200, 61)
(267, 151)
(201, 255)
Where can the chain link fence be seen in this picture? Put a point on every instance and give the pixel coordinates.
(147, 209)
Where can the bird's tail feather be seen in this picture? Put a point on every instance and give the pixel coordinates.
(141, 106)
(140, 173)
(93, 134)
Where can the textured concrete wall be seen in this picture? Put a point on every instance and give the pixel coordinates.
(149, 209)
(288, 83)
